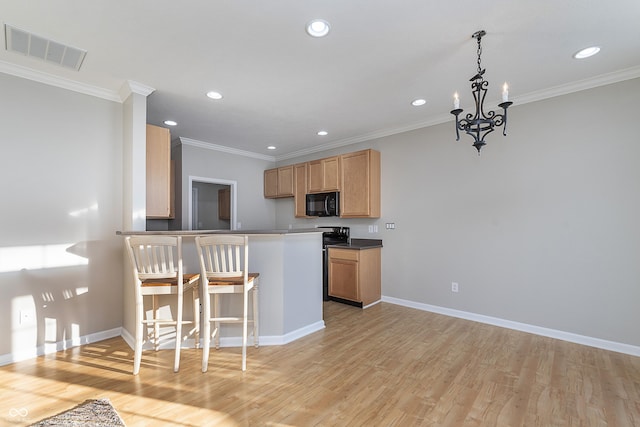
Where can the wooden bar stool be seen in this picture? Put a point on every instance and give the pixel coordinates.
(224, 268)
(156, 265)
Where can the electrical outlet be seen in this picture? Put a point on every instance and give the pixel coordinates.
(27, 317)
(454, 286)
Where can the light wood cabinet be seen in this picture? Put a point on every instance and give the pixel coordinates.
(355, 175)
(158, 172)
(224, 203)
(360, 186)
(278, 182)
(271, 183)
(355, 275)
(323, 175)
(300, 190)
(172, 189)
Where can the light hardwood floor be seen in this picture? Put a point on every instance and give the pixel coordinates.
(383, 366)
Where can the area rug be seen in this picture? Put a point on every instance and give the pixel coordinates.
(92, 412)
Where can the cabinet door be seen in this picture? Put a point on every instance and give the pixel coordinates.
(172, 190)
(370, 275)
(360, 189)
(158, 172)
(278, 182)
(285, 181)
(331, 170)
(315, 176)
(224, 203)
(344, 274)
(271, 183)
(343, 279)
(300, 189)
(324, 175)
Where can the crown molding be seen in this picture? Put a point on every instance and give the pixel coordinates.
(130, 87)
(51, 80)
(577, 86)
(224, 149)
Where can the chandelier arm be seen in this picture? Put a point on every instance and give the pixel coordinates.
(456, 112)
(503, 116)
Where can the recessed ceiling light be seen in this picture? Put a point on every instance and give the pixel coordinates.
(587, 52)
(214, 95)
(271, 147)
(418, 102)
(323, 133)
(318, 28)
(170, 123)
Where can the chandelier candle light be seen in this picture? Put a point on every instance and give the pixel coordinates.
(480, 124)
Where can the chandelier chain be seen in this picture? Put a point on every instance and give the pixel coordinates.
(479, 54)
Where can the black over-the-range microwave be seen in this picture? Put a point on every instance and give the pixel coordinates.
(323, 204)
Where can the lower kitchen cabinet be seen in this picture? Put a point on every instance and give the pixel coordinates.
(355, 275)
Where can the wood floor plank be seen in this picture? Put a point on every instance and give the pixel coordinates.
(383, 366)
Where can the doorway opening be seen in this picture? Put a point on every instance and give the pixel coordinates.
(212, 204)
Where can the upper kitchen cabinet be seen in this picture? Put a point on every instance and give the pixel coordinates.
(360, 185)
(300, 189)
(158, 173)
(278, 182)
(323, 175)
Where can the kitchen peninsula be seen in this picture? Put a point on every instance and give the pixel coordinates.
(290, 267)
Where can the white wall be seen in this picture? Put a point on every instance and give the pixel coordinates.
(61, 192)
(254, 211)
(208, 207)
(541, 229)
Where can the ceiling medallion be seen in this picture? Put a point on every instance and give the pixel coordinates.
(480, 124)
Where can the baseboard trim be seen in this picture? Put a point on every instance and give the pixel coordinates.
(291, 336)
(168, 344)
(49, 348)
(523, 327)
(237, 341)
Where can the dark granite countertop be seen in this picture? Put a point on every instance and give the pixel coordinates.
(359, 244)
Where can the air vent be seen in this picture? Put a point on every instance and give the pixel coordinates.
(30, 44)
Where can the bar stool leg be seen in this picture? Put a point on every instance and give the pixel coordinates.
(256, 334)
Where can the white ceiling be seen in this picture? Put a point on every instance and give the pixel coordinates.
(281, 86)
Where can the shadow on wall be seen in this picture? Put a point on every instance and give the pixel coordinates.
(54, 295)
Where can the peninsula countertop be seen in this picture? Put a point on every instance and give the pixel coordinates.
(201, 232)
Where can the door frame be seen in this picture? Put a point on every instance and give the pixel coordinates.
(233, 187)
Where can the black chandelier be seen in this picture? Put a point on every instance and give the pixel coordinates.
(480, 124)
